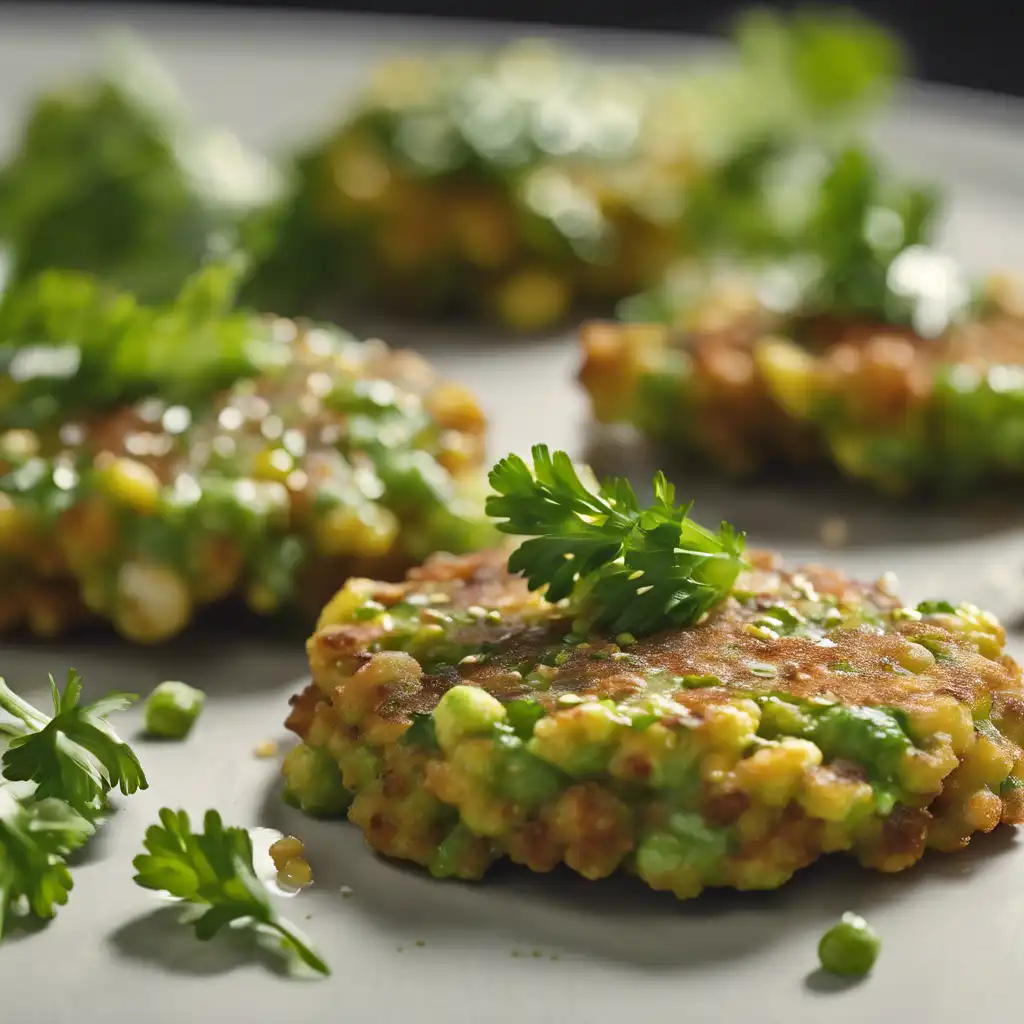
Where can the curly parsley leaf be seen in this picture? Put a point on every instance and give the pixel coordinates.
(623, 567)
(35, 836)
(74, 756)
(214, 870)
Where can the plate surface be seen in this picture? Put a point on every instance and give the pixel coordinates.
(516, 947)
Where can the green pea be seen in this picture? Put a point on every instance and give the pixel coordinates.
(447, 861)
(171, 709)
(313, 782)
(525, 778)
(850, 947)
(523, 715)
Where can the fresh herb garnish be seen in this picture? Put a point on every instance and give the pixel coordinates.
(57, 773)
(69, 341)
(625, 568)
(35, 836)
(74, 756)
(214, 870)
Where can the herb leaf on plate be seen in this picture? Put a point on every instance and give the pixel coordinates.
(35, 836)
(214, 869)
(76, 755)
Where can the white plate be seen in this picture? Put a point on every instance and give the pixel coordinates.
(516, 947)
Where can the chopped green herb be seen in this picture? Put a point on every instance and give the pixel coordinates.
(214, 870)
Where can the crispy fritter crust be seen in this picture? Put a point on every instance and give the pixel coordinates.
(642, 761)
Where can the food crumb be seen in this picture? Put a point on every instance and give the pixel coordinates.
(888, 584)
(834, 532)
(346, 891)
(554, 956)
(293, 869)
(420, 942)
(268, 748)
(537, 954)
(516, 953)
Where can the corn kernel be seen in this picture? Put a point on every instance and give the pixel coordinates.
(774, 774)
(153, 602)
(284, 850)
(129, 482)
(532, 300)
(368, 532)
(296, 874)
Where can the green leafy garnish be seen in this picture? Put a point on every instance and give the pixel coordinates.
(112, 176)
(70, 342)
(625, 569)
(74, 756)
(35, 836)
(214, 870)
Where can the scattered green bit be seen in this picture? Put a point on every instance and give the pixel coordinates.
(625, 569)
(850, 947)
(314, 782)
(213, 869)
(171, 710)
(523, 715)
(421, 733)
(697, 682)
(74, 756)
(420, 943)
(936, 608)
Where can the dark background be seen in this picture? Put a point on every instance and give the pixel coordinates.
(976, 43)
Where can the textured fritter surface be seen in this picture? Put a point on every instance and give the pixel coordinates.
(519, 183)
(338, 457)
(746, 389)
(808, 714)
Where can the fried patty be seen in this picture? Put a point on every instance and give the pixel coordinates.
(464, 722)
(342, 457)
(747, 389)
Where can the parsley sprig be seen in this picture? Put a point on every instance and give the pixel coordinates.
(625, 569)
(57, 773)
(214, 870)
(75, 756)
(35, 837)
